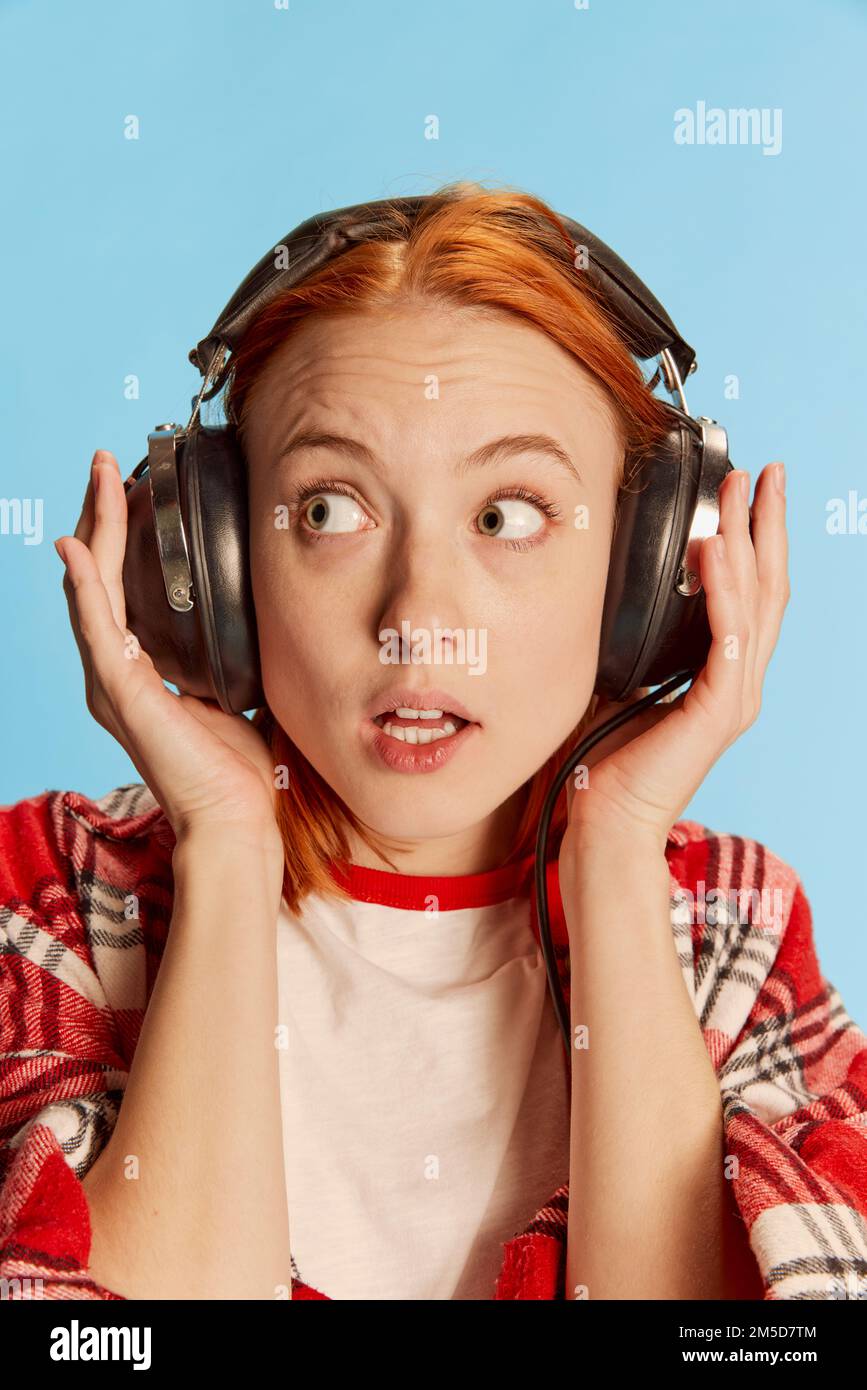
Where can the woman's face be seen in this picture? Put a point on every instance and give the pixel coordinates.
(440, 564)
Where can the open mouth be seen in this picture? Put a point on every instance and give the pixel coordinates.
(413, 730)
(414, 726)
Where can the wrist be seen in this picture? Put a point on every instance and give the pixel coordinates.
(594, 863)
(621, 875)
(224, 842)
(617, 843)
(222, 876)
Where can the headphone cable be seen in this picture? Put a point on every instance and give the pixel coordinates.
(541, 885)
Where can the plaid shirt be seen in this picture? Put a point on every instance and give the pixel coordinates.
(85, 907)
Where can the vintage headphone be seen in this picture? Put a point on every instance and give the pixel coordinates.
(186, 574)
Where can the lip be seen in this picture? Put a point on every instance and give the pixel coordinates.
(402, 695)
(421, 757)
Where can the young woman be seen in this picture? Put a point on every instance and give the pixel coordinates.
(275, 1020)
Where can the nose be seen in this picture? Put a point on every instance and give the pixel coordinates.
(425, 598)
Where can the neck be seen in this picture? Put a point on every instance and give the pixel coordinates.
(474, 850)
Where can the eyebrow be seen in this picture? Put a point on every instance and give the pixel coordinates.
(495, 451)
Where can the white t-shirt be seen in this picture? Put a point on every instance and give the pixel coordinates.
(424, 1085)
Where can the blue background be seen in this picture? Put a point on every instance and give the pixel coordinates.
(118, 254)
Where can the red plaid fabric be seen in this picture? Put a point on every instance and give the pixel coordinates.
(85, 905)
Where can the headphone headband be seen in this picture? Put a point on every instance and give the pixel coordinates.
(641, 320)
(187, 577)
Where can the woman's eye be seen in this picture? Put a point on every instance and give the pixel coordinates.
(510, 519)
(330, 511)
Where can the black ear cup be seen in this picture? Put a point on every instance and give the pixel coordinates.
(215, 491)
(211, 649)
(654, 620)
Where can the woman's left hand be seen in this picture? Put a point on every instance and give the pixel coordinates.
(638, 783)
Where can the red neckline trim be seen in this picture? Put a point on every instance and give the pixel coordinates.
(414, 891)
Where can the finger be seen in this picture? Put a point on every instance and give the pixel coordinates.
(84, 525)
(100, 641)
(108, 537)
(69, 594)
(718, 690)
(771, 543)
(734, 525)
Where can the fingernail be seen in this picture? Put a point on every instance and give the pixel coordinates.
(780, 478)
(719, 546)
(744, 481)
(59, 548)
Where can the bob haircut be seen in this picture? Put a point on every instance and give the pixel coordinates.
(500, 249)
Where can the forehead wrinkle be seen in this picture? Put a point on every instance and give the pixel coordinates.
(493, 452)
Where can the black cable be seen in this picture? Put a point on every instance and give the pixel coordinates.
(628, 712)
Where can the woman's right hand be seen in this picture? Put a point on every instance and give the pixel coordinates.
(206, 768)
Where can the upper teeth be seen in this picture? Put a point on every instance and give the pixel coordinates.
(405, 713)
(410, 735)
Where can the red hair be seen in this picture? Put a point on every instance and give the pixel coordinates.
(498, 249)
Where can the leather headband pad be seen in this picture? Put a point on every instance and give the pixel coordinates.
(640, 318)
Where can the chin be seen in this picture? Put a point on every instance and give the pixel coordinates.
(405, 819)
